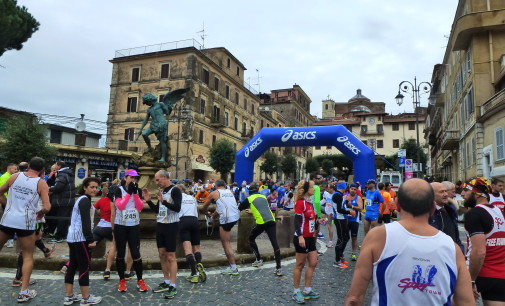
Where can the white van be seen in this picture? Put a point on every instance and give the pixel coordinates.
(393, 177)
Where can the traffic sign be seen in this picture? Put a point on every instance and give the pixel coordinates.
(402, 162)
(408, 165)
(402, 153)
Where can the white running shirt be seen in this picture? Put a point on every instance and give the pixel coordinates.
(166, 215)
(189, 206)
(414, 270)
(75, 233)
(21, 209)
(130, 215)
(227, 207)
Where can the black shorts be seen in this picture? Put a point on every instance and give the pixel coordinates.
(20, 232)
(228, 226)
(353, 228)
(189, 230)
(166, 236)
(100, 233)
(491, 289)
(310, 245)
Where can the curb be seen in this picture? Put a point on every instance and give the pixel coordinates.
(98, 264)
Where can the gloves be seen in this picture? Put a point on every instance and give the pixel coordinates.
(132, 188)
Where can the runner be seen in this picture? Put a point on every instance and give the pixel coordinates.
(392, 193)
(228, 217)
(353, 221)
(496, 196)
(317, 200)
(167, 228)
(328, 210)
(341, 223)
(258, 205)
(21, 213)
(80, 240)
(304, 240)
(126, 228)
(486, 243)
(385, 207)
(373, 202)
(189, 232)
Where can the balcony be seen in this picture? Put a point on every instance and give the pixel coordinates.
(450, 140)
(246, 135)
(493, 105)
(217, 121)
(368, 132)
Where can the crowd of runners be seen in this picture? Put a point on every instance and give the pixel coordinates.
(420, 231)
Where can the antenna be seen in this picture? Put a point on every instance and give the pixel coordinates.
(258, 80)
(203, 35)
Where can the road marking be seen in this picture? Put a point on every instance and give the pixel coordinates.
(56, 275)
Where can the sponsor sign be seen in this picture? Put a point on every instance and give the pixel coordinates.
(348, 144)
(290, 134)
(253, 146)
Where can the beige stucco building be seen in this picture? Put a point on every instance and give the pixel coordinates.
(465, 126)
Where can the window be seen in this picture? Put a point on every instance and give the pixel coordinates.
(253, 109)
(474, 152)
(380, 128)
(237, 97)
(244, 127)
(238, 71)
(364, 128)
(262, 123)
(380, 143)
(365, 142)
(349, 128)
(165, 68)
(468, 61)
(469, 101)
(412, 126)
(467, 154)
(318, 148)
(227, 91)
(216, 83)
(129, 134)
(55, 136)
(228, 63)
(205, 76)
(235, 124)
(214, 138)
(245, 103)
(326, 107)
(131, 106)
(396, 143)
(328, 147)
(202, 106)
(160, 98)
(200, 137)
(226, 115)
(499, 140)
(396, 126)
(135, 74)
(216, 114)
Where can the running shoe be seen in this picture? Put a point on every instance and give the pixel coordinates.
(201, 272)
(25, 297)
(320, 236)
(91, 300)
(57, 240)
(121, 286)
(106, 275)
(257, 263)
(230, 271)
(330, 244)
(49, 252)
(340, 265)
(298, 298)
(10, 243)
(171, 293)
(64, 269)
(345, 262)
(278, 272)
(69, 300)
(129, 275)
(18, 282)
(319, 253)
(161, 287)
(310, 295)
(141, 285)
(354, 257)
(193, 278)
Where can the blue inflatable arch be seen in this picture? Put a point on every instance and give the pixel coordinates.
(336, 135)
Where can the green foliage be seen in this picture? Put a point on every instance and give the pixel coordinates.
(327, 165)
(16, 25)
(312, 165)
(271, 163)
(339, 160)
(288, 165)
(25, 137)
(222, 157)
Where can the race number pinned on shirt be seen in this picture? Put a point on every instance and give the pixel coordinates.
(312, 226)
(130, 214)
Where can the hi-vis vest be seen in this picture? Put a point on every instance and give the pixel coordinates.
(260, 208)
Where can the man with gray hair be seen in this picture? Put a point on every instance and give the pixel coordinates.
(227, 209)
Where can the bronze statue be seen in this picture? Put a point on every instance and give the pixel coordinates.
(159, 124)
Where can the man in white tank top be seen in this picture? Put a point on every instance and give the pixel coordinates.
(21, 213)
(411, 262)
(496, 196)
(227, 209)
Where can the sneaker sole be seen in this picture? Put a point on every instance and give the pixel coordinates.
(201, 272)
(310, 298)
(33, 282)
(169, 297)
(159, 290)
(122, 290)
(298, 302)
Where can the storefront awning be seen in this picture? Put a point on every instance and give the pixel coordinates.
(201, 166)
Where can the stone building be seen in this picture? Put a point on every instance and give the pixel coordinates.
(219, 104)
(465, 126)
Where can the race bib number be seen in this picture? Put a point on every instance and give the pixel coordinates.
(131, 214)
(162, 213)
(312, 226)
(273, 205)
(368, 202)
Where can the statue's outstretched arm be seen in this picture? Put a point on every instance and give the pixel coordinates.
(143, 125)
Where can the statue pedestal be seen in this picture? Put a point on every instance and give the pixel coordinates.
(147, 178)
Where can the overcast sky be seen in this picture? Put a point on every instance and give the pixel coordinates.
(328, 47)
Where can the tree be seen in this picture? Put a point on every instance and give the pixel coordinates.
(222, 157)
(25, 137)
(339, 160)
(312, 165)
(16, 25)
(327, 165)
(288, 165)
(271, 163)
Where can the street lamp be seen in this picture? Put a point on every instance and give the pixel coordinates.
(182, 113)
(415, 89)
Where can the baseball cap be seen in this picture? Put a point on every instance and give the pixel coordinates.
(131, 172)
(371, 181)
(479, 185)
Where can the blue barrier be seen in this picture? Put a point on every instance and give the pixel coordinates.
(335, 135)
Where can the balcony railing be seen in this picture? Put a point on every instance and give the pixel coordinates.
(450, 140)
(497, 99)
(217, 121)
(158, 47)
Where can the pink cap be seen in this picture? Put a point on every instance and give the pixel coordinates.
(131, 172)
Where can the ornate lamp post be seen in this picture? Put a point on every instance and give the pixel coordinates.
(182, 113)
(415, 90)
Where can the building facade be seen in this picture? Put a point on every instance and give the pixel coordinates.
(465, 126)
